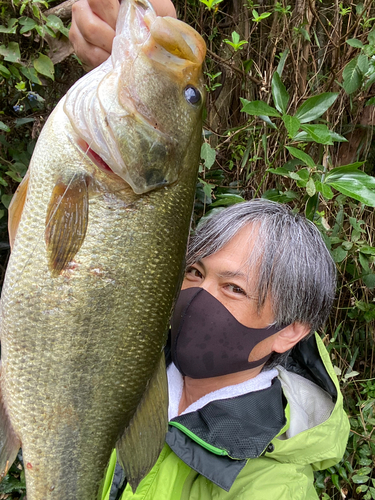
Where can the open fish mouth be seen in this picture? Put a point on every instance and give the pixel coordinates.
(164, 37)
(133, 111)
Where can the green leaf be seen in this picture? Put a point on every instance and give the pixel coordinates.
(319, 133)
(363, 64)
(11, 53)
(302, 175)
(207, 188)
(369, 280)
(31, 75)
(366, 249)
(364, 263)
(364, 461)
(301, 155)
(44, 66)
(257, 108)
(54, 22)
(6, 199)
(338, 171)
(324, 189)
(268, 121)
(347, 245)
(282, 197)
(19, 168)
(280, 66)
(279, 171)
(36, 11)
(314, 107)
(371, 36)
(310, 187)
(352, 76)
(353, 42)
(310, 208)
(356, 224)
(28, 24)
(12, 27)
(358, 479)
(306, 137)
(356, 176)
(305, 34)
(354, 189)
(4, 71)
(225, 200)
(235, 37)
(14, 176)
(364, 471)
(292, 124)
(339, 254)
(279, 93)
(353, 183)
(335, 481)
(4, 127)
(208, 154)
(15, 72)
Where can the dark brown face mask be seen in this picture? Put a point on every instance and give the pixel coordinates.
(208, 341)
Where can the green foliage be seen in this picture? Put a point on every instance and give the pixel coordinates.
(25, 95)
(259, 17)
(235, 43)
(285, 124)
(360, 71)
(211, 4)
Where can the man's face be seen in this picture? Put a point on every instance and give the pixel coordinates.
(226, 275)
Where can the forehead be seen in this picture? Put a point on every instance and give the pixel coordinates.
(240, 253)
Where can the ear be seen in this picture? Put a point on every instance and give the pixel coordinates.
(288, 337)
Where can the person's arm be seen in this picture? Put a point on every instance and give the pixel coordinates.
(93, 27)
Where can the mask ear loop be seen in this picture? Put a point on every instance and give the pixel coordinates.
(271, 330)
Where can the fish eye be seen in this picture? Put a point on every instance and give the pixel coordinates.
(192, 95)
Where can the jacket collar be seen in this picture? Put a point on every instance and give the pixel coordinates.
(217, 439)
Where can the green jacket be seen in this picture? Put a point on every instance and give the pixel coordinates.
(259, 446)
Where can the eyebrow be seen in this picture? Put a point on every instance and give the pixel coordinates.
(226, 274)
(232, 274)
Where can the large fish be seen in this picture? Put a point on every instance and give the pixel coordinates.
(100, 226)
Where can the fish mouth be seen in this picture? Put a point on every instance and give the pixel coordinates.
(124, 128)
(165, 40)
(173, 38)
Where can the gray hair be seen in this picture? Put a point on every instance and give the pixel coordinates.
(294, 267)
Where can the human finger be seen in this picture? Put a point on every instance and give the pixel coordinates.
(107, 10)
(90, 55)
(92, 28)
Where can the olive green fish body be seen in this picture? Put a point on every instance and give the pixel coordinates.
(88, 293)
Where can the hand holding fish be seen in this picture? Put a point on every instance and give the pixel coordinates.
(93, 28)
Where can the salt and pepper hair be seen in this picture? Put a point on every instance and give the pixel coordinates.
(293, 265)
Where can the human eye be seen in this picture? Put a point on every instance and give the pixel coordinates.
(193, 274)
(235, 289)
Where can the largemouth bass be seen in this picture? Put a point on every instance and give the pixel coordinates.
(99, 229)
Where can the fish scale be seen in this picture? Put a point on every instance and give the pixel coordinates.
(93, 275)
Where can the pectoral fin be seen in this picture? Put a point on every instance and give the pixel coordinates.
(66, 222)
(16, 208)
(142, 441)
(9, 443)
